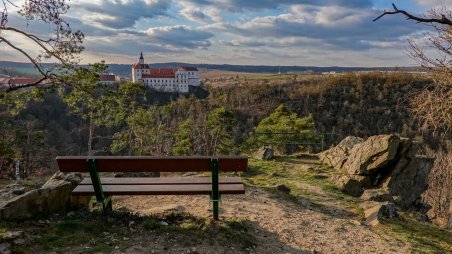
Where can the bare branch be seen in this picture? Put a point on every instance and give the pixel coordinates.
(443, 20)
(37, 66)
(63, 45)
(14, 88)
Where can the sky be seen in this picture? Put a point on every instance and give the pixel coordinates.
(243, 32)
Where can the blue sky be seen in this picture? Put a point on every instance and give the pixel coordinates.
(263, 32)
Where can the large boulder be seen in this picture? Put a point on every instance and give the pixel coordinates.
(371, 155)
(336, 156)
(409, 179)
(53, 197)
(374, 211)
(349, 185)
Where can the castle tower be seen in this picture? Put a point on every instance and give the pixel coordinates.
(139, 69)
(141, 61)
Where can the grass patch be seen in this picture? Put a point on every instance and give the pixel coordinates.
(287, 171)
(151, 224)
(190, 230)
(90, 231)
(424, 238)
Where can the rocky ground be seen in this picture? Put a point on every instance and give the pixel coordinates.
(313, 217)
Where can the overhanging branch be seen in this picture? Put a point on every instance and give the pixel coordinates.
(443, 20)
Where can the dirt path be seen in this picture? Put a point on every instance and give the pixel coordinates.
(279, 225)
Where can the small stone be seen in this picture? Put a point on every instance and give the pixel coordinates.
(355, 222)
(12, 186)
(10, 235)
(116, 247)
(125, 238)
(19, 241)
(375, 210)
(193, 249)
(283, 188)
(164, 223)
(321, 176)
(19, 191)
(378, 195)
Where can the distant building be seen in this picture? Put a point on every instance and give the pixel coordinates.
(109, 79)
(16, 81)
(165, 79)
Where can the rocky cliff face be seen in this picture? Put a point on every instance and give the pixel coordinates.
(53, 197)
(386, 168)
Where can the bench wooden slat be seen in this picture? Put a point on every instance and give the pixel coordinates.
(160, 180)
(198, 189)
(152, 163)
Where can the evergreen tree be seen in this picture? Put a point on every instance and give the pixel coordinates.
(282, 128)
(221, 124)
(129, 98)
(184, 139)
(91, 100)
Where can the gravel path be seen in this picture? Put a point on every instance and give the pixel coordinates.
(279, 225)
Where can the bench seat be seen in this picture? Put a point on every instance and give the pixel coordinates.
(104, 188)
(169, 189)
(161, 180)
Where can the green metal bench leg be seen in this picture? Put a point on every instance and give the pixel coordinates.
(101, 197)
(215, 196)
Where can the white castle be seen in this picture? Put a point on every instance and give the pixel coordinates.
(165, 79)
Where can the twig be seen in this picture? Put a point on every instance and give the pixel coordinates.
(443, 20)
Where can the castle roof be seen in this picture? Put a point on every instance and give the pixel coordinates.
(107, 77)
(140, 66)
(17, 81)
(188, 68)
(161, 73)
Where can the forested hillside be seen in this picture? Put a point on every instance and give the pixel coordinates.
(351, 104)
(220, 119)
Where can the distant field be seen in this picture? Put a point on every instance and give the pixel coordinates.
(217, 74)
(27, 70)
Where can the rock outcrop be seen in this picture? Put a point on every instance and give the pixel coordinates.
(349, 185)
(374, 211)
(337, 156)
(383, 168)
(53, 197)
(371, 155)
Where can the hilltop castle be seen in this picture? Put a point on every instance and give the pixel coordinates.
(165, 79)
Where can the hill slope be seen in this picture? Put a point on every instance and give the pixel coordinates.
(313, 218)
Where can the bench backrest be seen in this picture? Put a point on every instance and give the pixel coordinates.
(152, 163)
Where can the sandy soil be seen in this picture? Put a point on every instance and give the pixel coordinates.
(279, 225)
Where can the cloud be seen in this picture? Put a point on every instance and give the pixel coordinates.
(435, 3)
(338, 27)
(120, 14)
(180, 36)
(240, 5)
(195, 15)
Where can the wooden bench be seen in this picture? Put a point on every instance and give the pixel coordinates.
(104, 188)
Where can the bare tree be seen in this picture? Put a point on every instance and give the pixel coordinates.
(432, 106)
(62, 45)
